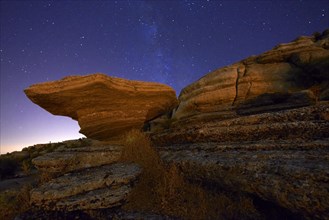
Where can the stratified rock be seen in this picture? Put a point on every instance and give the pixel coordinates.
(282, 157)
(305, 123)
(293, 174)
(70, 159)
(290, 75)
(260, 126)
(94, 188)
(104, 106)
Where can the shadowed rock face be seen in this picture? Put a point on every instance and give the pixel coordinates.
(70, 159)
(282, 157)
(97, 187)
(104, 106)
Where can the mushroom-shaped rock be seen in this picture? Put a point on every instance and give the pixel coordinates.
(104, 106)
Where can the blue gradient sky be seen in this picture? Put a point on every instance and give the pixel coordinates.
(173, 42)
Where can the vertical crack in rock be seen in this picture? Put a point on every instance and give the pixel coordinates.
(236, 86)
(240, 71)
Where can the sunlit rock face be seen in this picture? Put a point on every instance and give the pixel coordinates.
(288, 76)
(104, 106)
(291, 75)
(259, 126)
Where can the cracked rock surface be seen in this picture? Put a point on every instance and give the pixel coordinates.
(259, 126)
(288, 76)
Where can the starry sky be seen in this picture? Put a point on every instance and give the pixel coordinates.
(172, 42)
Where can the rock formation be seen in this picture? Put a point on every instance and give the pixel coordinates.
(260, 126)
(282, 157)
(70, 159)
(104, 106)
(100, 187)
(290, 75)
(88, 177)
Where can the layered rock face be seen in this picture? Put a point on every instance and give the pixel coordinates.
(70, 159)
(281, 157)
(89, 177)
(260, 126)
(104, 106)
(290, 75)
(93, 188)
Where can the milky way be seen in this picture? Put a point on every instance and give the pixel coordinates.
(173, 42)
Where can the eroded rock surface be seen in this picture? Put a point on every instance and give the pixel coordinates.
(70, 159)
(305, 123)
(292, 174)
(282, 157)
(260, 126)
(288, 76)
(93, 188)
(104, 106)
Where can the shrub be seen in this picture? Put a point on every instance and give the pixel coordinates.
(162, 188)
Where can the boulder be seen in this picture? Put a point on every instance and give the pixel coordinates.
(104, 106)
(93, 188)
(288, 76)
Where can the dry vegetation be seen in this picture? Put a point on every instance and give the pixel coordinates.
(162, 189)
(14, 202)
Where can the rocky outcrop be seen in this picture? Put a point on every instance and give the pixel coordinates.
(288, 76)
(93, 188)
(280, 157)
(259, 126)
(305, 123)
(104, 106)
(70, 159)
(83, 175)
(291, 174)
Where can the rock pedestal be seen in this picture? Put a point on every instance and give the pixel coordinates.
(104, 106)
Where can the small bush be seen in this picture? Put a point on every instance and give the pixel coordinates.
(162, 189)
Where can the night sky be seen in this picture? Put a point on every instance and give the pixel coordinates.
(172, 42)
